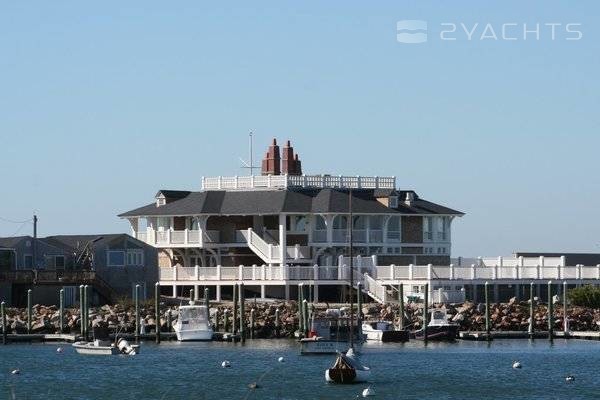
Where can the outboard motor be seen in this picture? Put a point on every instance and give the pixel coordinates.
(125, 348)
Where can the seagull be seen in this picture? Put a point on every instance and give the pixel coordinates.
(570, 378)
(368, 392)
(516, 365)
(15, 371)
(225, 364)
(280, 359)
(59, 350)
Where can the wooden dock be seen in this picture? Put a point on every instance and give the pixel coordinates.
(482, 335)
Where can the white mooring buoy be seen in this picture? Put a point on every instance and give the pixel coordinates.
(280, 359)
(570, 378)
(368, 392)
(59, 350)
(516, 365)
(225, 364)
(15, 371)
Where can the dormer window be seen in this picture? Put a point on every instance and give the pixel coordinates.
(393, 202)
(161, 201)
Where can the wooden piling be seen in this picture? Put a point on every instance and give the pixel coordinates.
(425, 313)
(61, 311)
(531, 311)
(191, 296)
(487, 312)
(235, 311)
(3, 316)
(137, 313)
(565, 310)
(300, 310)
(550, 312)
(29, 313)
(157, 324)
(206, 301)
(277, 322)
(81, 315)
(252, 324)
(242, 316)
(225, 320)
(401, 305)
(86, 312)
(359, 311)
(306, 322)
(169, 322)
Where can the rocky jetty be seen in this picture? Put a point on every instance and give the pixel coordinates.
(511, 316)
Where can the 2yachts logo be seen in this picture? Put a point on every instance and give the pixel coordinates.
(415, 31)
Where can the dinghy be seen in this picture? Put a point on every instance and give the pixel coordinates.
(106, 348)
(347, 369)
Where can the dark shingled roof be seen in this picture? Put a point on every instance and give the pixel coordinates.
(10, 242)
(173, 194)
(218, 202)
(72, 242)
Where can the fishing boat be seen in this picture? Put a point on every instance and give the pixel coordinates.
(383, 331)
(327, 335)
(438, 329)
(193, 323)
(106, 348)
(347, 369)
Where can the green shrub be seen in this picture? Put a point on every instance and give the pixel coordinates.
(585, 296)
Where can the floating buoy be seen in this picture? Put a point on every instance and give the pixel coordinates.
(15, 371)
(225, 364)
(280, 359)
(368, 392)
(516, 365)
(59, 350)
(570, 378)
(253, 385)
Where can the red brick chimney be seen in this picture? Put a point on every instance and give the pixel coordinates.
(271, 164)
(288, 165)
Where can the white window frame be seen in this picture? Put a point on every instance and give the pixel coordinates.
(393, 202)
(134, 258)
(24, 265)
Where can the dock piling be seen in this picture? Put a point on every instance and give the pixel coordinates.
(300, 311)
(425, 313)
(225, 320)
(531, 311)
(401, 305)
(487, 312)
(242, 316)
(277, 322)
(565, 311)
(550, 312)
(359, 311)
(61, 311)
(86, 312)
(29, 316)
(137, 313)
(252, 323)
(3, 315)
(206, 301)
(305, 321)
(235, 311)
(157, 324)
(169, 322)
(191, 296)
(81, 306)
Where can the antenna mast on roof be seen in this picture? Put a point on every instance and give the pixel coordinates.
(250, 164)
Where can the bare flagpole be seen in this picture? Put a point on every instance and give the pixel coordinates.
(351, 270)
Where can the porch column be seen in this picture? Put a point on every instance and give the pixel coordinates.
(329, 227)
(282, 239)
(196, 290)
(174, 291)
(316, 293)
(263, 291)
(218, 293)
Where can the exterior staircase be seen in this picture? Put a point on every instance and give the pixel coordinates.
(271, 253)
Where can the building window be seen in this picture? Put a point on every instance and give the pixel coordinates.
(28, 261)
(427, 228)
(393, 202)
(135, 257)
(393, 229)
(116, 258)
(59, 262)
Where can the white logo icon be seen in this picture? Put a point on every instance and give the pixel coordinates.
(411, 31)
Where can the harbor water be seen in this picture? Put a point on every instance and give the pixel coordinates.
(174, 370)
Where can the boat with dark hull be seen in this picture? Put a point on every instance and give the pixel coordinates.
(347, 369)
(383, 331)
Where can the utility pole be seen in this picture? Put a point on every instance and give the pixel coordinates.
(350, 225)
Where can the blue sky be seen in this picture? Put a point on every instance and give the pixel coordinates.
(103, 104)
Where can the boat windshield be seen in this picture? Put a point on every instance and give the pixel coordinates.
(193, 315)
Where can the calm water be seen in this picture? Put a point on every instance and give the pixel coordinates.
(192, 371)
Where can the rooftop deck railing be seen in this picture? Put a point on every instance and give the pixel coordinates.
(266, 182)
(383, 273)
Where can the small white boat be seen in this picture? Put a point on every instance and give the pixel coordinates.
(383, 331)
(347, 369)
(439, 328)
(106, 348)
(193, 324)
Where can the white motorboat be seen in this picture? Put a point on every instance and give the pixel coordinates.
(106, 348)
(383, 331)
(328, 335)
(193, 323)
(439, 328)
(347, 369)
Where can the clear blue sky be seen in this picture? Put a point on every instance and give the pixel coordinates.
(102, 104)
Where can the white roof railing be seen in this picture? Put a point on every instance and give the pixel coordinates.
(274, 182)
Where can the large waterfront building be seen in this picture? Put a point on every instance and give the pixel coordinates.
(282, 228)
